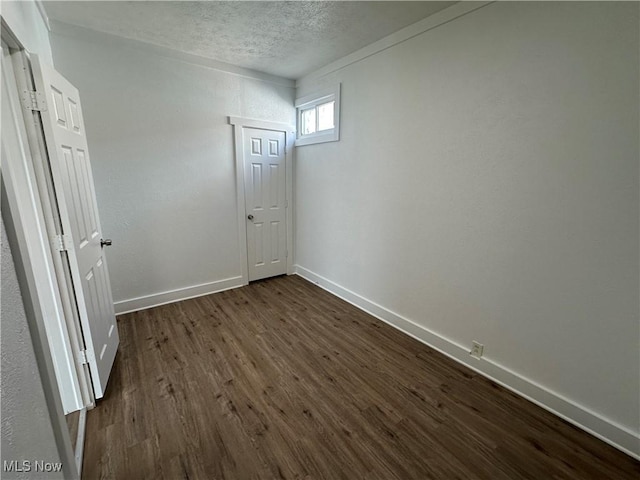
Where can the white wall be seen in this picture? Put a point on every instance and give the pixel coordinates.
(163, 161)
(27, 432)
(485, 187)
(26, 22)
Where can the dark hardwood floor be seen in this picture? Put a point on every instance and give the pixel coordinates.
(282, 380)
(72, 424)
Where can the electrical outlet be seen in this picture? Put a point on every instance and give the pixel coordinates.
(477, 349)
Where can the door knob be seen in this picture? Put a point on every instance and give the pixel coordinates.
(250, 217)
(106, 242)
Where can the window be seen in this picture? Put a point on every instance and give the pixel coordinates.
(319, 117)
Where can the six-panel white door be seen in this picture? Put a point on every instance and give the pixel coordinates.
(265, 197)
(73, 183)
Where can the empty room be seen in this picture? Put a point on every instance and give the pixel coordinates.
(320, 240)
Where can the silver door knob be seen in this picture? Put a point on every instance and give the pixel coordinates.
(250, 217)
(106, 242)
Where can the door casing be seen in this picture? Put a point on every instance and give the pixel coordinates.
(23, 217)
(239, 124)
(63, 331)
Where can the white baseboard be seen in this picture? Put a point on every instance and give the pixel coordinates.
(157, 299)
(591, 422)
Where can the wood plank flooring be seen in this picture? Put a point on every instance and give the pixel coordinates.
(73, 422)
(282, 380)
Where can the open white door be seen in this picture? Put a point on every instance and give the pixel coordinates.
(66, 141)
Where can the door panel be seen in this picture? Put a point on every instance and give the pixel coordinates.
(73, 182)
(265, 200)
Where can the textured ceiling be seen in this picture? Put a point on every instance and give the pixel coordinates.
(289, 39)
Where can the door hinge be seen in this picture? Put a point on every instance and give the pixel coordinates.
(62, 243)
(34, 101)
(83, 357)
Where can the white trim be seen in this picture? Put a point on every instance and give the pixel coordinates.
(43, 180)
(31, 267)
(27, 209)
(616, 435)
(261, 124)
(240, 198)
(319, 96)
(239, 124)
(177, 295)
(313, 100)
(43, 14)
(82, 428)
(290, 136)
(418, 28)
(88, 35)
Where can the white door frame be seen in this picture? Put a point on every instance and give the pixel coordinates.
(65, 335)
(27, 181)
(239, 124)
(27, 231)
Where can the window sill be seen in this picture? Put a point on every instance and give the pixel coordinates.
(331, 136)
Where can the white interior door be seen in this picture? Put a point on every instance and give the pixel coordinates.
(265, 200)
(73, 182)
(29, 219)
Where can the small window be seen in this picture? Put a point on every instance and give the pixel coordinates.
(308, 121)
(325, 115)
(318, 117)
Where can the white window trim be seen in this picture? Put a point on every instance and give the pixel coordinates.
(313, 100)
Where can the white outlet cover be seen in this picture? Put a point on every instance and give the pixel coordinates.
(477, 350)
